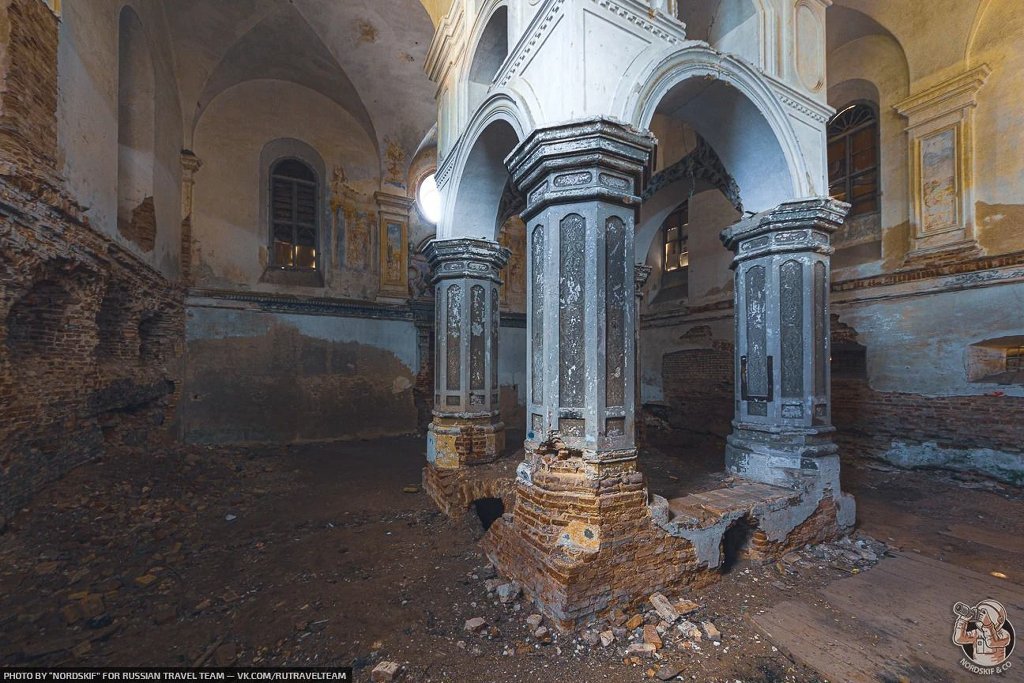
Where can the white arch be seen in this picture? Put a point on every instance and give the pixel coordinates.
(483, 21)
(503, 106)
(776, 144)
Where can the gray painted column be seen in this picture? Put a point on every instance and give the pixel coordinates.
(582, 182)
(466, 428)
(640, 275)
(782, 429)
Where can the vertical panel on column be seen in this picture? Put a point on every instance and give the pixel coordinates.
(537, 318)
(477, 321)
(439, 331)
(615, 312)
(572, 360)
(820, 320)
(755, 378)
(495, 329)
(791, 278)
(454, 339)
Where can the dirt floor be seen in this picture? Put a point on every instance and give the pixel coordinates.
(316, 555)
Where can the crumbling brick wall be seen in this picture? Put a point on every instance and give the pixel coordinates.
(28, 86)
(89, 349)
(90, 344)
(698, 386)
(91, 337)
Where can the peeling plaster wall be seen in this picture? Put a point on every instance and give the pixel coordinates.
(512, 378)
(999, 120)
(230, 249)
(87, 118)
(253, 376)
(919, 345)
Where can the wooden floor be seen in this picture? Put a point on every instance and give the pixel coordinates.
(892, 623)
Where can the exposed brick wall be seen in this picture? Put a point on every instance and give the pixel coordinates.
(141, 229)
(868, 421)
(28, 86)
(90, 343)
(698, 386)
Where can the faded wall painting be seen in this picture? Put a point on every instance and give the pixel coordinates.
(513, 288)
(939, 205)
(394, 276)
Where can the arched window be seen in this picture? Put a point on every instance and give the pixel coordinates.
(294, 197)
(853, 158)
(675, 233)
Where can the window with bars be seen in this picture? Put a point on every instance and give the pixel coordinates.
(1015, 359)
(853, 158)
(294, 197)
(674, 231)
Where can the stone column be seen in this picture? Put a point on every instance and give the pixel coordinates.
(582, 182)
(466, 428)
(581, 504)
(782, 431)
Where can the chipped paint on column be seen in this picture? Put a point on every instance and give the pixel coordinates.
(782, 427)
(581, 181)
(466, 428)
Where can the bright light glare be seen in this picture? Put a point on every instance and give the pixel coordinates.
(429, 198)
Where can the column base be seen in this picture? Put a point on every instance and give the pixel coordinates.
(580, 546)
(582, 540)
(455, 490)
(454, 442)
(782, 457)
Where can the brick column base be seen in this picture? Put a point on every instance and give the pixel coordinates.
(582, 539)
(454, 442)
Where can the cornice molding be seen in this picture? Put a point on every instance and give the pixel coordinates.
(951, 95)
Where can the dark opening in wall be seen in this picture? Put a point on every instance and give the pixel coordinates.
(153, 337)
(736, 542)
(35, 324)
(849, 361)
(996, 361)
(488, 510)
(111, 321)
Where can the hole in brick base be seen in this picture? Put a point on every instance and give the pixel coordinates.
(736, 543)
(488, 510)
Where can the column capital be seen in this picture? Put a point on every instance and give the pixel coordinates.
(641, 272)
(466, 257)
(593, 159)
(797, 226)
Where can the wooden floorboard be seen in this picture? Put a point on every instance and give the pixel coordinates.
(893, 621)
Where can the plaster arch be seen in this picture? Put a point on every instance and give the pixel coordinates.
(703, 20)
(731, 105)
(488, 49)
(473, 177)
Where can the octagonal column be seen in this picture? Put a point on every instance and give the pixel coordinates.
(782, 429)
(466, 427)
(582, 182)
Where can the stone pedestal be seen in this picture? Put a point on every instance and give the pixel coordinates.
(782, 431)
(466, 427)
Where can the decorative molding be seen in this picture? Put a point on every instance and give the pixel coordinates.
(945, 97)
(532, 37)
(702, 163)
(659, 24)
(940, 147)
(287, 304)
(812, 110)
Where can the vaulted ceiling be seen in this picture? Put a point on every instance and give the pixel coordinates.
(366, 55)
